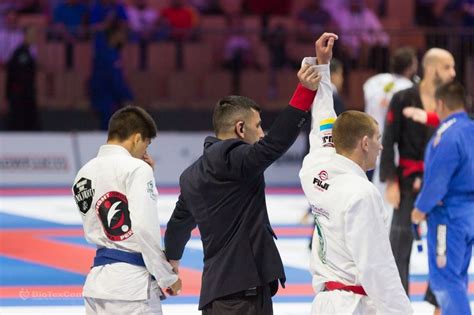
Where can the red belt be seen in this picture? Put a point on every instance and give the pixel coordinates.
(411, 166)
(333, 285)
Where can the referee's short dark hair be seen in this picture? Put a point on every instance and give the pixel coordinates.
(452, 94)
(130, 120)
(231, 109)
(402, 59)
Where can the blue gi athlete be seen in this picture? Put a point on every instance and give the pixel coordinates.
(447, 199)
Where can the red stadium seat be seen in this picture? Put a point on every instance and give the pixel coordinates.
(216, 85)
(162, 58)
(83, 57)
(183, 89)
(198, 57)
(51, 56)
(254, 84)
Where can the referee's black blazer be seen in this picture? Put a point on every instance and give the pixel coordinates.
(223, 193)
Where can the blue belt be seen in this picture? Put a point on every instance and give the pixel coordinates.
(105, 256)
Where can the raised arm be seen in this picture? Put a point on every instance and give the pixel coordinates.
(251, 160)
(323, 114)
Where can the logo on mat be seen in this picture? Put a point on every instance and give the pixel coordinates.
(83, 194)
(112, 209)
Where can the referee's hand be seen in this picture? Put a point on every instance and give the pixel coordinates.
(309, 77)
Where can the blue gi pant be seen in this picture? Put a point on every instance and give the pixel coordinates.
(450, 282)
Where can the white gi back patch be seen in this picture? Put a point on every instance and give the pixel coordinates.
(113, 213)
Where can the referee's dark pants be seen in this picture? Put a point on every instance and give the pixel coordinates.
(254, 301)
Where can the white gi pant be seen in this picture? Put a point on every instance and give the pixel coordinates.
(342, 302)
(105, 307)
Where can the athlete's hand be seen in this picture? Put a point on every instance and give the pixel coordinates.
(175, 265)
(417, 216)
(324, 47)
(147, 158)
(309, 77)
(175, 288)
(416, 114)
(417, 184)
(392, 193)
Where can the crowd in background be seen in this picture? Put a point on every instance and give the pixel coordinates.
(110, 24)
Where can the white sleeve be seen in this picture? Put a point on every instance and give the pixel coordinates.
(372, 254)
(322, 113)
(142, 196)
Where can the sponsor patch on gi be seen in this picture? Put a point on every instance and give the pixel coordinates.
(150, 188)
(319, 181)
(319, 211)
(322, 244)
(112, 209)
(83, 194)
(327, 139)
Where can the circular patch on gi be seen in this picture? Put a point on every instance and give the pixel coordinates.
(323, 175)
(112, 209)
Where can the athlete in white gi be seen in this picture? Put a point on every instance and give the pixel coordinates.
(116, 195)
(351, 248)
(379, 90)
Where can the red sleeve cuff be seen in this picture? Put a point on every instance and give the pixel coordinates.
(432, 119)
(302, 98)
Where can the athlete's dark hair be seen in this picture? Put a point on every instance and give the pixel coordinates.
(452, 94)
(130, 120)
(402, 59)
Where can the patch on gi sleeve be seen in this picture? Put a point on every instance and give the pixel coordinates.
(150, 188)
(326, 124)
(83, 194)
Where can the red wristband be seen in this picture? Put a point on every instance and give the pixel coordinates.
(432, 119)
(302, 98)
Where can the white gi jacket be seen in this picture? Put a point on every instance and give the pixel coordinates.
(116, 195)
(379, 90)
(350, 242)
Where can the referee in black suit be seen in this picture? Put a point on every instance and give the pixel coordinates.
(223, 194)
